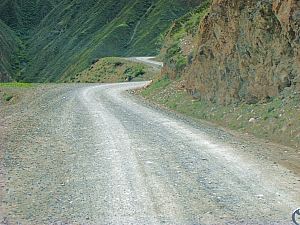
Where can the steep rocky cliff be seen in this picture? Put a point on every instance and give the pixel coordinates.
(243, 51)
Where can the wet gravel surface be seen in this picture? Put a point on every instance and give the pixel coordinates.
(93, 154)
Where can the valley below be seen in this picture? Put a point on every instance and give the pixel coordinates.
(96, 154)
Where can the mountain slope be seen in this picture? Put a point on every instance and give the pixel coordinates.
(24, 15)
(76, 32)
(10, 56)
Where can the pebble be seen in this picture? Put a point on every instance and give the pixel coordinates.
(252, 120)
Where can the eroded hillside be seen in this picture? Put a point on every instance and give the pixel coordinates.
(236, 63)
(243, 51)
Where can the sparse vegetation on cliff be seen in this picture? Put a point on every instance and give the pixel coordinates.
(237, 71)
(239, 52)
(178, 48)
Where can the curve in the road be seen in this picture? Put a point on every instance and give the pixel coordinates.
(96, 155)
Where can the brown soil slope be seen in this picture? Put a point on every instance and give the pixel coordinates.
(247, 51)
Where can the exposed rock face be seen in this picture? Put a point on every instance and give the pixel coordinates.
(246, 51)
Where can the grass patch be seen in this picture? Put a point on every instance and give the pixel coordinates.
(11, 92)
(156, 86)
(16, 85)
(7, 97)
(111, 70)
(177, 49)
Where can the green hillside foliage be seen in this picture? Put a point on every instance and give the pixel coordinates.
(155, 23)
(23, 15)
(64, 37)
(91, 30)
(178, 48)
(113, 69)
(10, 52)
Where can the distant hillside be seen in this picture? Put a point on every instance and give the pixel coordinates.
(68, 35)
(10, 57)
(77, 32)
(24, 15)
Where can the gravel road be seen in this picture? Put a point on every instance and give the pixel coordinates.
(148, 61)
(94, 154)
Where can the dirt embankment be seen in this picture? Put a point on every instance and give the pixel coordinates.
(246, 51)
(239, 62)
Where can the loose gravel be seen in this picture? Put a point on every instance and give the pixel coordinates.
(93, 154)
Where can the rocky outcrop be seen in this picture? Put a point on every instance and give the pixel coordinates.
(246, 51)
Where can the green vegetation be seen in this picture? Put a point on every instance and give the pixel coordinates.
(11, 54)
(18, 20)
(16, 85)
(113, 69)
(159, 84)
(178, 47)
(23, 15)
(13, 92)
(63, 37)
(277, 120)
(7, 97)
(134, 72)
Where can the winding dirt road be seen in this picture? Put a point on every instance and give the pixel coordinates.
(94, 154)
(148, 61)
